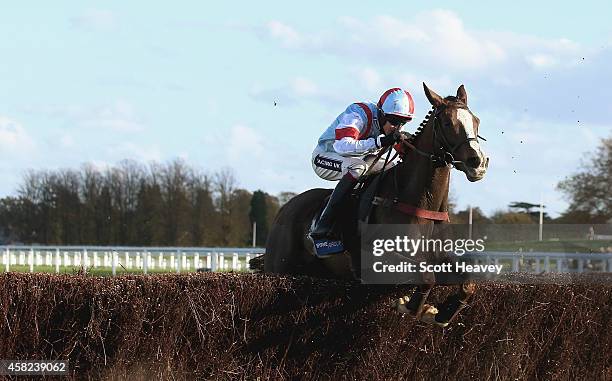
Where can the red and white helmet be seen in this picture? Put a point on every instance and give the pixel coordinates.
(398, 102)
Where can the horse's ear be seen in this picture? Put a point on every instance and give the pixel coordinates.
(434, 98)
(462, 95)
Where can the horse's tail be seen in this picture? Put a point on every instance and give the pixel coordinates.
(257, 264)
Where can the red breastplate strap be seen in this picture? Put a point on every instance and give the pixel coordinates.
(412, 210)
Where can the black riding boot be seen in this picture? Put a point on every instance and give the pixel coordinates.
(324, 225)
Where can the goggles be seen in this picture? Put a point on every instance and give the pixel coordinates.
(396, 121)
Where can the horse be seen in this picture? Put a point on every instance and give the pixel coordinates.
(418, 185)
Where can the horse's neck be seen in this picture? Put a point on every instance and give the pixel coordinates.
(419, 182)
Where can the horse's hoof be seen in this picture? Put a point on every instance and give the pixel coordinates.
(429, 316)
(428, 309)
(468, 288)
(400, 305)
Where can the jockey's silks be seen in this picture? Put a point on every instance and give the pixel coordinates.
(359, 121)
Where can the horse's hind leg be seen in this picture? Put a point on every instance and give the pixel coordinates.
(451, 307)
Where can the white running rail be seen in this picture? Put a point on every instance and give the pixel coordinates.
(145, 259)
(544, 262)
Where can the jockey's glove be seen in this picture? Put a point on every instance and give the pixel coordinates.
(406, 134)
(383, 141)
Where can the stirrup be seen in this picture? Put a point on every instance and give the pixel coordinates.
(324, 247)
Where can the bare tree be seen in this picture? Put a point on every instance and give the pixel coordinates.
(91, 188)
(224, 186)
(174, 178)
(203, 214)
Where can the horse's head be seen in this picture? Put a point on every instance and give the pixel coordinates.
(456, 130)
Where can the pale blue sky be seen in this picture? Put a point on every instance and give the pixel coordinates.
(112, 80)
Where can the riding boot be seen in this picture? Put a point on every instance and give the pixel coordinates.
(325, 223)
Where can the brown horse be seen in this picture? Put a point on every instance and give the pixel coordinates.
(447, 137)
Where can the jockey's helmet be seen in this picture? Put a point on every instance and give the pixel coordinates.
(398, 102)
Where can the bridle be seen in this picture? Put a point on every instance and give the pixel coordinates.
(442, 155)
(446, 155)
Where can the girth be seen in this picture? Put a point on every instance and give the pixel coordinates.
(411, 210)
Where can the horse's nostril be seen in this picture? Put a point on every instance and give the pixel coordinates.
(473, 162)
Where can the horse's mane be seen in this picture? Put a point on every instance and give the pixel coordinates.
(419, 129)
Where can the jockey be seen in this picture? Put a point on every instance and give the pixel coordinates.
(349, 145)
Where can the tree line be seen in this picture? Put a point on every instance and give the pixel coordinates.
(173, 204)
(162, 204)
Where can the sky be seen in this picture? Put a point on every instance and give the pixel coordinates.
(111, 80)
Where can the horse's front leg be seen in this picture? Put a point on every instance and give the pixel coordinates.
(453, 305)
(416, 303)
